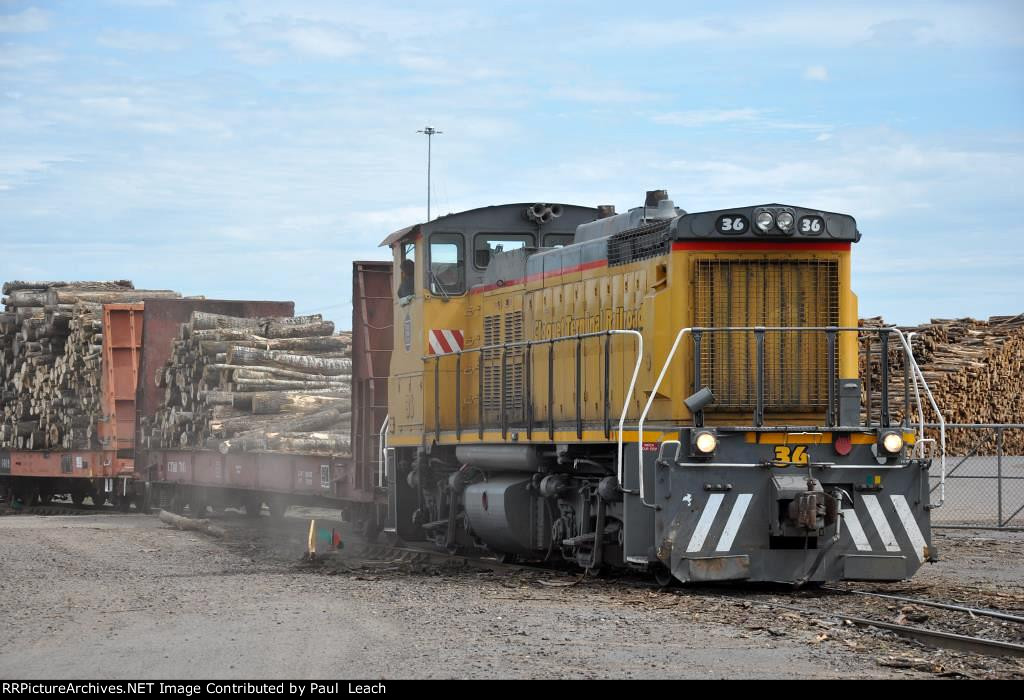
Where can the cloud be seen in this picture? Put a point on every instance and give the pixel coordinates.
(707, 117)
(816, 73)
(143, 3)
(27, 21)
(128, 40)
(746, 117)
(325, 41)
(834, 26)
(19, 58)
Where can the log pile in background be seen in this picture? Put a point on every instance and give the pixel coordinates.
(265, 384)
(975, 370)
(51, 338)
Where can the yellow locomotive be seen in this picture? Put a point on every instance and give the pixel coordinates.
(655, 389)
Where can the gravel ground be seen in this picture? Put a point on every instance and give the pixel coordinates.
(123, 596)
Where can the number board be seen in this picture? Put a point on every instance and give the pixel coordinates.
(732, 224)
(786, 455)
(811, 225)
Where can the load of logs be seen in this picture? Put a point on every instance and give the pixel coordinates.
(255, 384)
(51, 338)
(975, 370)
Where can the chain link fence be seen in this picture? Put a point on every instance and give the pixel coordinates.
(984, 477)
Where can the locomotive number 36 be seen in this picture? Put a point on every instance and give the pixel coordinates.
(792, 455)
(731, 224)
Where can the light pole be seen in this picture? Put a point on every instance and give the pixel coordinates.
(429, 131)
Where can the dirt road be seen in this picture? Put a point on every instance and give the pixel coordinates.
(123, 596)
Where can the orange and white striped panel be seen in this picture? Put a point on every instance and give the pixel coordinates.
(444, 341)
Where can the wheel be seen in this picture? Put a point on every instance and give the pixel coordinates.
(123, 504)
(98, 499)
(177, 504)
(277, 508)
(77, 497)
(253, 506)
(662, 576)
(506, 558)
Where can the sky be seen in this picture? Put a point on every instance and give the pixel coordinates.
(252, 150)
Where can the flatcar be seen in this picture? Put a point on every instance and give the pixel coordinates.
(681, 393)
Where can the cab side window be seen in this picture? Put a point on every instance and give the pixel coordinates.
(486, 244)
(407, 270)
(558, 240)
(447, 265)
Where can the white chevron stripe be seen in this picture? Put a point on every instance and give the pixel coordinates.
(732, 525)
(910, 525)
(881, 524)
(707, 519)
(453, 342)
(435, 345)
(852, 523)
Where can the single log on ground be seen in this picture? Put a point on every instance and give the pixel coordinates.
(199, 525)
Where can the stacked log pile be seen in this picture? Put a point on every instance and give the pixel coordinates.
(266, 384)
(975, 370)
(51, 337)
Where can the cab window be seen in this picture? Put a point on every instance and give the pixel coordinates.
(447, 265)
(486, 244)
(558, 240)
(407, 270)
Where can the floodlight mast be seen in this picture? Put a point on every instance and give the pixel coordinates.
(430, 132)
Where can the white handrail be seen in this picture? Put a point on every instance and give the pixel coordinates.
(382, 445)
(935, 407)
(916, 375)
(629, 394)
(647, 408)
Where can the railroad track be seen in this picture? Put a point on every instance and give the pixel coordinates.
(937, 638)
(55, 509)
(364, 553)
(358, 552)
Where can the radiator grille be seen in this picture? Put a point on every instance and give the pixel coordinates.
(766, 292)
(503, 329)
(492, 365)
(647, 241)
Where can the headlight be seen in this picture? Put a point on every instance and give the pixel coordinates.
(765, 220)
(706, 442)
(785, 221)
(892, 443)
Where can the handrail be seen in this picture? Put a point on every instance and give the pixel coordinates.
(551, 341)
(382, 445)
(629, 397)
(647, 408)
(913, 370)
(935, 407)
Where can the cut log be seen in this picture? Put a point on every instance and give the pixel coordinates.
(276, 358)
(198, 525)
